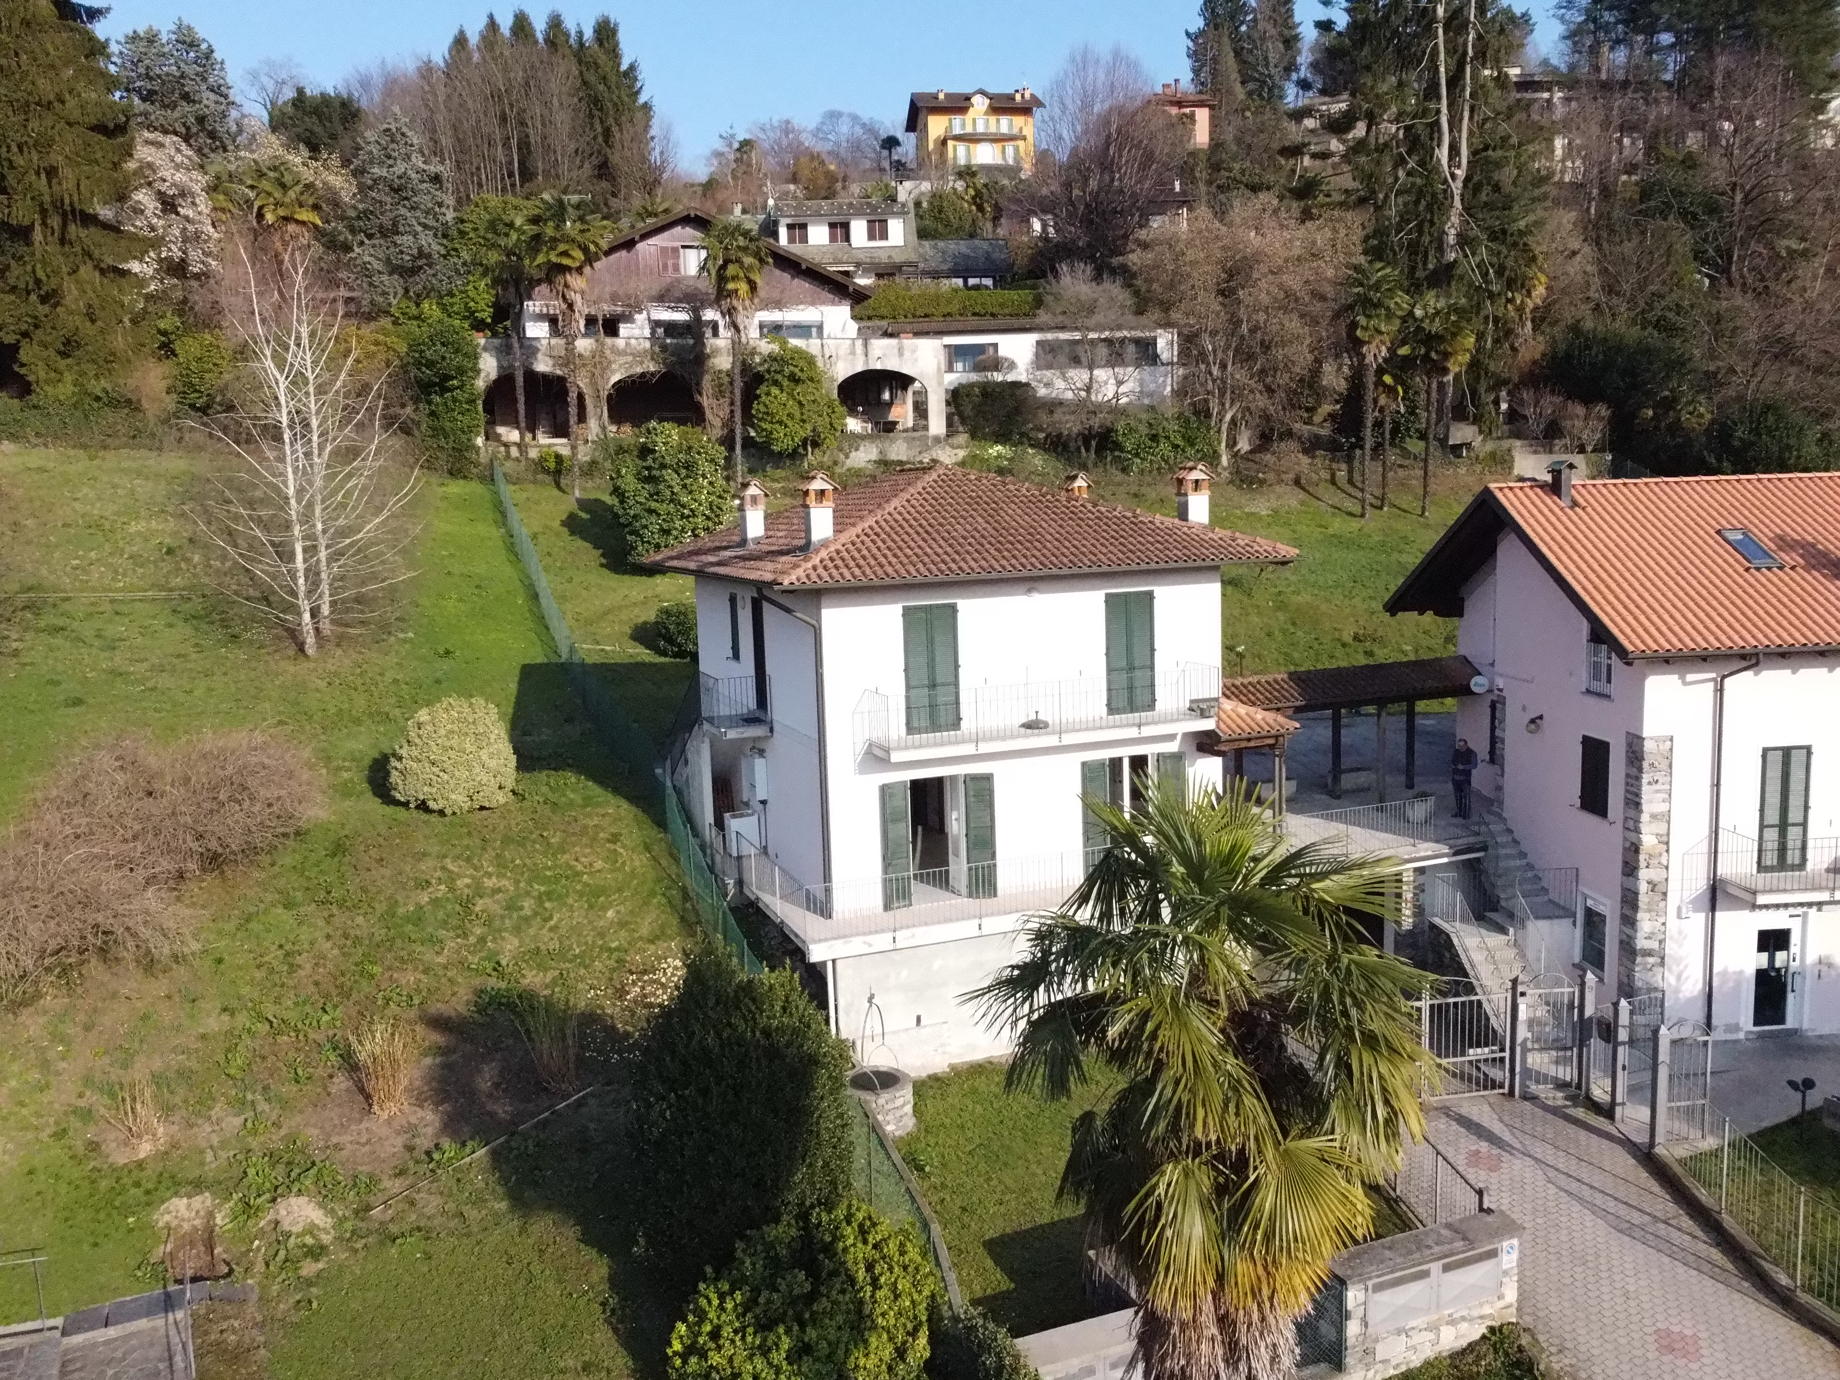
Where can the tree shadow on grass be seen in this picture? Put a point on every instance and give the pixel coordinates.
(619, 744)
(592, 521)
(1045, 1265)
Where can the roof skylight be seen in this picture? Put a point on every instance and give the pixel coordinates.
(1756, 555)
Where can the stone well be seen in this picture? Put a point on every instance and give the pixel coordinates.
(888, 1093)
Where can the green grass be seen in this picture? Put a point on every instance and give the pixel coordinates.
(1501, 1353)
(373, 908)
(1807, 1150)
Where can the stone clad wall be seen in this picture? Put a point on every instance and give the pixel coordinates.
(1648, 788)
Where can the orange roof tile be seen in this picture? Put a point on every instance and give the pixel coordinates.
(1235, 721)
(1644, 560)
(946, 522)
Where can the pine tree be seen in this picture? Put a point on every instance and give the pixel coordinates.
(399, 221)
(65, 297)
(177, 85)
(619, 118)
(1258, 41)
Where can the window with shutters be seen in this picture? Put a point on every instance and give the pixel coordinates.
(1130, 652)
(980, 834)
(734, 627)
(1125, 784)
(897, 847)
(840, 231)
(929, 634)
(878, 229)
(798, 232)
(1594, 776)
(1782, 824)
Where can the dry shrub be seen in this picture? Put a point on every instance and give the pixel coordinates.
(381, 1058)
(134, 1110)
(551, 1027)
(91, 868)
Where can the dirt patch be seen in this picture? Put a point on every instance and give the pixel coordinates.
(229, 1342)
(300, 1216)
(189, 1228)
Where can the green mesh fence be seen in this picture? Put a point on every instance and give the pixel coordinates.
(883, 1182)
(620, 731)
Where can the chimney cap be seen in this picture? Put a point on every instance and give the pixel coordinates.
(753, 494)
(1077, 484)
(1193, 478)
(818, 490)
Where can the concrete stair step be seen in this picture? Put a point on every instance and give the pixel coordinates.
(30, 1355)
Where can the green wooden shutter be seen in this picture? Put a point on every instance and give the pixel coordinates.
(929, 639)
(1782, 832)
(897, 848)
(1594, 776)
(1130, 652)
(1172, 773)
(1095, 784)
(980, 835)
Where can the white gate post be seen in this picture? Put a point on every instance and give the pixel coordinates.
(1584, 1026)
(1658, 1091)
(1619, 1062)
(1517, 1037)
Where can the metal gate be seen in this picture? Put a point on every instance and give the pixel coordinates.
(1600, 1081)
(1690, 1118)
(1551, 1006)
(1467, 1033)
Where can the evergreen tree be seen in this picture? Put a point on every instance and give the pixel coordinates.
(399, 221)
(65, 297)
(1255, 43)
(316, 120)
(177, 85)
(619, 118)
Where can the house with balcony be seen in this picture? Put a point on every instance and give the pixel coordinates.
(909, 686)
(1659, 662)
(991, 130)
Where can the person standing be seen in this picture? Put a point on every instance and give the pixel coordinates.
(1462, 768)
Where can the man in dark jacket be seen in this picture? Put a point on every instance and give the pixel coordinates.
(1462, 767)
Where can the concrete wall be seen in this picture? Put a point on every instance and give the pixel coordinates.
(916, 996)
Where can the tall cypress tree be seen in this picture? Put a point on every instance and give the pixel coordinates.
(1260, 36)
(619, 118)
(65, 299)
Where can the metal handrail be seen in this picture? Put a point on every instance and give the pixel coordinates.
(34, 1257)
(1812, 865)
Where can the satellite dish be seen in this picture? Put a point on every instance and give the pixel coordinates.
(1478, 685)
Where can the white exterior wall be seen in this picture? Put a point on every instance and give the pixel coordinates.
(819, 231)
(1144, 384)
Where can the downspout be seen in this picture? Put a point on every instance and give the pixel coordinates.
(1712, 869)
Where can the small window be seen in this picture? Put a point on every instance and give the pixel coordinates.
(734, 627)
(1594, 776)
(1004, 124)
(958, 124)
(840, 232)
(790, 330)
(963, 359)
(1597, 663)
(1756, 555)
(798, 232)
(878, 230)
(692, 258)
(1592, 938)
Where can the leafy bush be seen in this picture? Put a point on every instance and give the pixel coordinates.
(673, 629)
(144, 820)
(795, 406)
(898, 302)
(837, 1292)
(455, 756)
(972, 1345)
(450, 427)
(1155, 441)
(739, 1116)
(201, 362)
(669, 488)
(1764, 436)
(997, 409)
(441, 360)
(40, 420)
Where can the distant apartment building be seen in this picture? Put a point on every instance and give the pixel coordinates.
(987, 129)
(1194, 108)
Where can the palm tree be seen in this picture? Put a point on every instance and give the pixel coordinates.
(1267, 1066)
(275, 195)
(509, 239)
(735, 257)
(569, 235)
(1439, 336)
(1377, 304)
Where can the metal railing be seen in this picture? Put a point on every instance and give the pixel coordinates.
(1433, 1188)
(1538, 934)
(1044, 711)
(736, 702)
(28, 1258)
(1774, 867)
(914, 899)
(1360, 829)
(1467, 1034)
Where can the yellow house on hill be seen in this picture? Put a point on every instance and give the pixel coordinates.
(988, 129)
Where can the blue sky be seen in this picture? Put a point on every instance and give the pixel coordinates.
(713, 64)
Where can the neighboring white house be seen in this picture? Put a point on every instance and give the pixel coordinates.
(907, 687)
(1665, 717)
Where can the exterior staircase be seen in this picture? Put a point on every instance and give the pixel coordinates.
(1525, 907)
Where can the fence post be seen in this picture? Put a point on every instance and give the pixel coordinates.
(1583, 1029)
(1658, 1091)
(1619, 1062)
(1437, 1188)
(1724, 1164)
(1517, 1036)
(1801, 1232)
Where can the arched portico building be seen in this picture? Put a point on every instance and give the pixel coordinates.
(884, 400)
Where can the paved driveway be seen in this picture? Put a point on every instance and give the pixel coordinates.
(1617, 1280)
(1750, 1077)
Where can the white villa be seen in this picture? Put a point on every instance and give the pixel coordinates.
(1662, 713)
(907, 688)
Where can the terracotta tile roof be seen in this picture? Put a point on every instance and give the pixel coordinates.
(1346, 687)
(1644, 561)
(946, 522)
(1235, 721)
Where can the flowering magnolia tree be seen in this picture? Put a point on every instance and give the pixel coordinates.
(171, 206)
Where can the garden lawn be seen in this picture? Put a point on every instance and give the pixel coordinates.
(373, 909)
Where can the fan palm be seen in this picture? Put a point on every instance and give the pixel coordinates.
(1377, 305)
(568, 236)
(508, 240)
(275, 195)
(1268, 1066)
(735, 257)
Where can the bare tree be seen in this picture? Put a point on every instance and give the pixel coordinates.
(1124, 171)
(1094, 351)
(1089, 84)
(312, 515)
(1584, 425)
(852, 144)
(1541, 407)
(271, 81)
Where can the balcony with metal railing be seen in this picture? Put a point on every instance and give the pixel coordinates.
(736, 706)
(953, 720)
(1784, 869)
(1416, 829)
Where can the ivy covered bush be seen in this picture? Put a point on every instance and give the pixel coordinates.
(837, 1292)
(673, 629)
(668, 487)
(455, 756)
(1155, 441)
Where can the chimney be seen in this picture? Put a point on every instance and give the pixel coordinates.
(940, 94)
(820, 516)
(1192, 493)
(753, 512)
(1559, 480)
(1077, 485)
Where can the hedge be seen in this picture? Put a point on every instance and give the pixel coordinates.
(897, 302)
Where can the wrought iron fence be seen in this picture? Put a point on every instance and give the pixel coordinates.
(1432, 1187)
(1467, 1035)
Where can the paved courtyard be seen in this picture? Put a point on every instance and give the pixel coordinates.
(1750, 1077)
(1617, 1280)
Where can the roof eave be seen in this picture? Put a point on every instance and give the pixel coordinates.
(1032, 574)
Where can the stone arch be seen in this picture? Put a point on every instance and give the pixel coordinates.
(883, 400)
(546, 406)
(658, 395)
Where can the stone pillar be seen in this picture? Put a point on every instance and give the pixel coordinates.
(1648, 787)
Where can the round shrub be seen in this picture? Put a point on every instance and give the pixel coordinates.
(674, 629)
(201, 363)
(972, 1345)
(455, 756)
(669, 488)
(1156, 441)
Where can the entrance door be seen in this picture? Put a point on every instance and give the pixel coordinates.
(1773, 988)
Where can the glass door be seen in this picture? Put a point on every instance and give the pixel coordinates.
(1774, 984)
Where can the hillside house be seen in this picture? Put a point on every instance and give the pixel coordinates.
(1660, 714)
(906, 688)
(992, 130)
